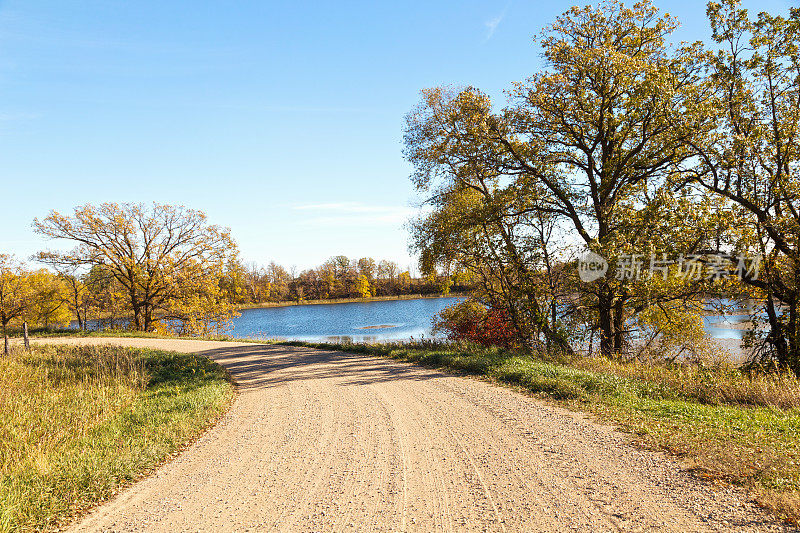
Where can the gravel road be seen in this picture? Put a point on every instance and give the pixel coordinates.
(329, 441)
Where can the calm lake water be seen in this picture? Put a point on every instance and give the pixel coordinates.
(382, 321)
(355, 322)
(726, 327)
(389, 320)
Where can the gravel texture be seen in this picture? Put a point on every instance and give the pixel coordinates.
(330, 441)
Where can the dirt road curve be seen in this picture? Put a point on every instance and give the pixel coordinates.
(326, 441)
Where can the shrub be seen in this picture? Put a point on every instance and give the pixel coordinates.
(472, 322)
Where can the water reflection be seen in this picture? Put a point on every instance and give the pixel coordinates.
(348, 322)
(727, 327)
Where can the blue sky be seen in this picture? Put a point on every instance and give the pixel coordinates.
(281, 120)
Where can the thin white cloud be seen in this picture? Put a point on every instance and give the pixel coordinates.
(17, 116)
(354, 214)
(494, 22)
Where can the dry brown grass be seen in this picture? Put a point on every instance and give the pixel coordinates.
(784, 504)
(719, 384)
(77, 423)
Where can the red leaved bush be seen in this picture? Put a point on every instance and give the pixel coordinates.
(471, 321)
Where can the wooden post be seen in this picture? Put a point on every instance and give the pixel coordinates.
(5, 344)
(25, 335)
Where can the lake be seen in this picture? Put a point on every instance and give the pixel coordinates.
(354, 322)
(392, 320)
(399, 320)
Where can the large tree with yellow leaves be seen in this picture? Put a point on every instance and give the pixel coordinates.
(588, 148)
(168, 260)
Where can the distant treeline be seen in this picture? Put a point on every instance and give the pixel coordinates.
(337, 278)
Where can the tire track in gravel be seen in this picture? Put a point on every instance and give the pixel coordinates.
(330, 441)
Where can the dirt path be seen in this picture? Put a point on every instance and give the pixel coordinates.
(327, 441)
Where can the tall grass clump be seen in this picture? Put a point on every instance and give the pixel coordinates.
(77, 423)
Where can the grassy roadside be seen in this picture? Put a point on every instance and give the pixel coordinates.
(724, 426)
(79, 423)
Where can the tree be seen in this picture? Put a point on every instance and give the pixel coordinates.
(387, 270)
(363, 288)
(102, 293)
(387, 277)
(612, 118)
(68, 270)
(404, 281)
(28, 296)
(753, 157)
(48, 304)
(168, 259)
(278, 279)
(367, 267)
(234, 282)
(593, 141)
(16, 294)
(484, 232)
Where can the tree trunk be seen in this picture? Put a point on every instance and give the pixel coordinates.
(776, 336)
(793, 355)
(619, 327)
(25, 335)
(5, 340)
(793, 332)
(606, 323)
(78, 312)
(137, 326)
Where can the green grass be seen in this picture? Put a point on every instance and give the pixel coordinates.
(79, 423)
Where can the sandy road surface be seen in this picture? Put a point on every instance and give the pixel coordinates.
(327, 441)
